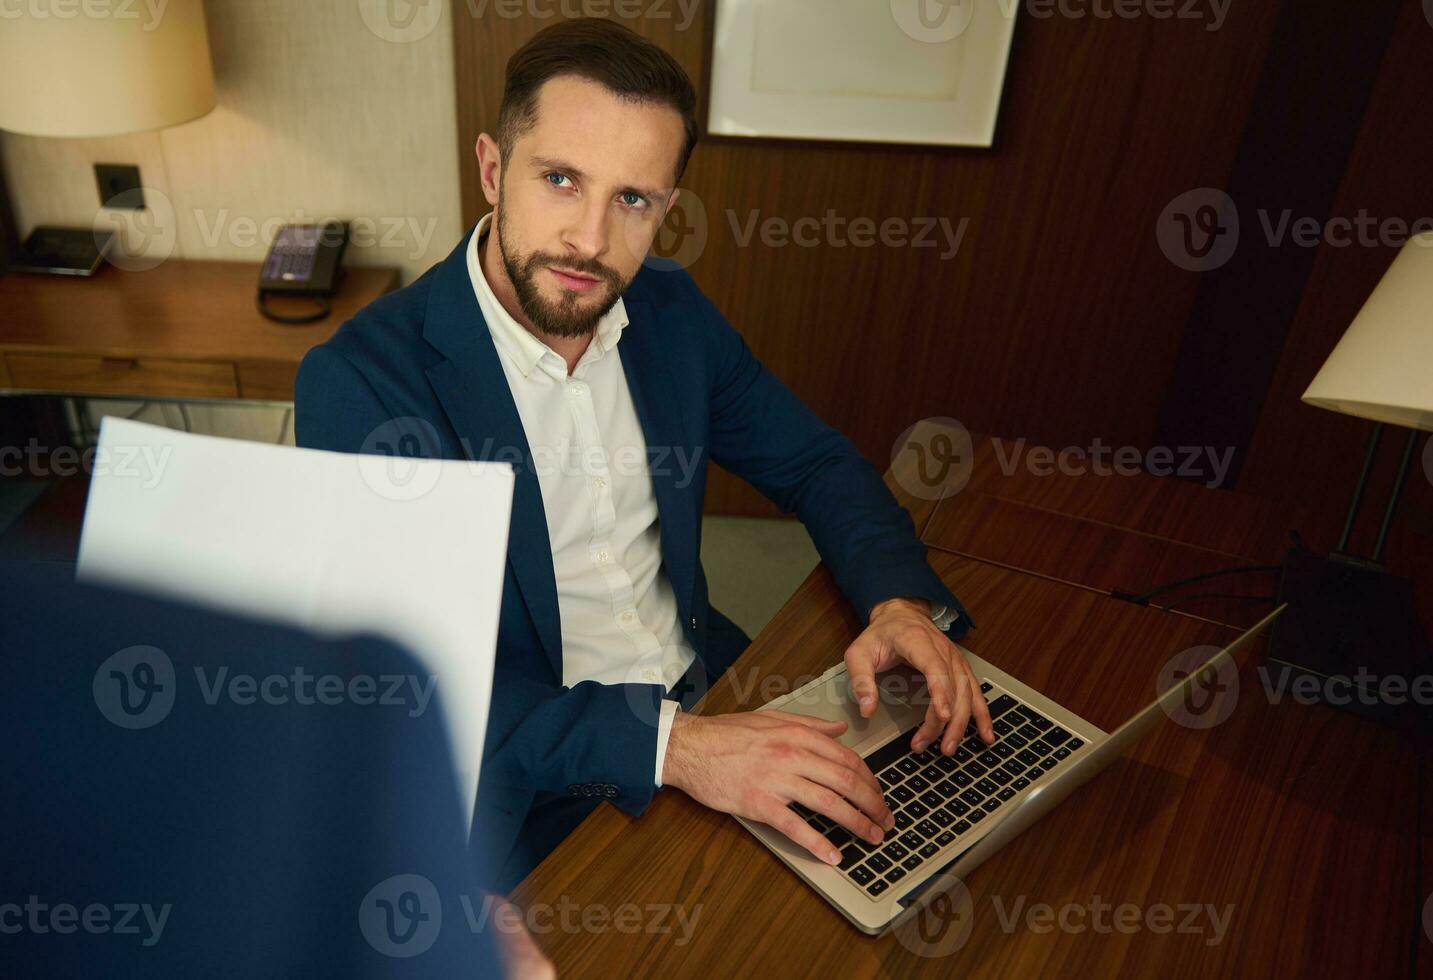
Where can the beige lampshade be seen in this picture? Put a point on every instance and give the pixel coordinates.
(1382, 369)
(100, 69)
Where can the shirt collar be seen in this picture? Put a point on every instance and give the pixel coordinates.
(518, 343)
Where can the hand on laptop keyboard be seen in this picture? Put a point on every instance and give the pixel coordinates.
(939, 800)
(901, 631)
(754, 764)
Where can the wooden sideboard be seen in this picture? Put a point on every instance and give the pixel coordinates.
(184, 329)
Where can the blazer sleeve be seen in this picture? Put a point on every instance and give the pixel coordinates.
(588, 740)
(763, 433)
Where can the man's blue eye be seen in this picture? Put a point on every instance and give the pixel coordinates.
(632, 200)
(553, 178)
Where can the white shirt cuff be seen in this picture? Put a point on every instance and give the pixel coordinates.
(664, 732)
(943, 616)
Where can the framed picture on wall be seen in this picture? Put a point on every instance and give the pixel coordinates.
(888, 71)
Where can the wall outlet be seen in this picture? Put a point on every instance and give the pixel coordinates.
(119, 186)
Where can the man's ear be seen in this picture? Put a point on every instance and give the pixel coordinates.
(490, 167)
(671, 199)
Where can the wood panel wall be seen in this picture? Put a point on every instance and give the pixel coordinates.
(1059, 319)
(1312, 455)
(1314, 91)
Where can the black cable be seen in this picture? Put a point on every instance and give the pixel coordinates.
(319, 314)
(1142, 599)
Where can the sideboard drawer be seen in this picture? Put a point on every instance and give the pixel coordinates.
(139, 377)
(267, 381)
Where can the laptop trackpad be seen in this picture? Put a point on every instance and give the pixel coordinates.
(902, 706)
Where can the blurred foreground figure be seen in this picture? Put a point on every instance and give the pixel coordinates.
(190, 794)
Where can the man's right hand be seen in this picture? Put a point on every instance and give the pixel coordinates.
(753, 764)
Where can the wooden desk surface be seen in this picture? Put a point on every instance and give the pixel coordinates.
(1297, 825)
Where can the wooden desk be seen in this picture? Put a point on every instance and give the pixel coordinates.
(1299, 823)
(181, 330)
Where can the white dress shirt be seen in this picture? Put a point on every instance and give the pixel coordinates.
(618, 609)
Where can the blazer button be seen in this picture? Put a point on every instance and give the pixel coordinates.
(573, 789)
(694, 622)
(609, 791)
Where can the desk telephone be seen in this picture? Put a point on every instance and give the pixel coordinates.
(304, 260)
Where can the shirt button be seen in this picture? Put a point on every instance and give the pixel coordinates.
(628, 615)
(577, 389)
(602, 556)
(600, 482)
(649, 675)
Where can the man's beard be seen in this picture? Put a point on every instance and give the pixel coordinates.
(564, 318)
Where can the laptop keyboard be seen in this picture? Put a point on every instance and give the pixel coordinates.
(937, 799)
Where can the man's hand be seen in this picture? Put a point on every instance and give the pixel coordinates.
(521, 958)
(753, 764)
(901, 630)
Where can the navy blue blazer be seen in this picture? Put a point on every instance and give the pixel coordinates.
(418, 370)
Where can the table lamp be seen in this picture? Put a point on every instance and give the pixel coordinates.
(1350, 625)
(98, 73)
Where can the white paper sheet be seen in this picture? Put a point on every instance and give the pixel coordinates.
(339, 543)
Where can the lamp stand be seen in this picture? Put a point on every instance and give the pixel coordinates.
(9, 238)
(1350, 637)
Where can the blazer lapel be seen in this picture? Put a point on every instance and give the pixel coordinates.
(654, 396)
(474, 393)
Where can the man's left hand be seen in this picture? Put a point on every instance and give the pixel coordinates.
(901, 631)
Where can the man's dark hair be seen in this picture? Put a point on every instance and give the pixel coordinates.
(601, 51)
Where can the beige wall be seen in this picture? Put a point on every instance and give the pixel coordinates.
(319, 115)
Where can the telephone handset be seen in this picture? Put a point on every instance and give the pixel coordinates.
(304, 260)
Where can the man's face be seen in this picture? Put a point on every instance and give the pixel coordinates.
(581, 198)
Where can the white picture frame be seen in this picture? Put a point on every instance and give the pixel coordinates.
(886, 71)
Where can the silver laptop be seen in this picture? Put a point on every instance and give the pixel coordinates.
(953, 812)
